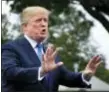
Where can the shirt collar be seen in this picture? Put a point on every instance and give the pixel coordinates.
(31, 41)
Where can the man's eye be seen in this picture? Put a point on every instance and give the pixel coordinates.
(45, 19)
(37, 20)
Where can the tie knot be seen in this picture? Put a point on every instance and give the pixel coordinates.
(39, 45)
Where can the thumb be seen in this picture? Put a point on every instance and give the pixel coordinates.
(59, 64)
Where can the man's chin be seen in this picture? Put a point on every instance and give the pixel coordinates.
(43, 37)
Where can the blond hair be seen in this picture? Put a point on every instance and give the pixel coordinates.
(32, 11)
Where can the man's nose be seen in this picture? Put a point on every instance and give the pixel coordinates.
(43, 22)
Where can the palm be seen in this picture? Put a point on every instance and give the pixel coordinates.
(92, 65)
(48, 63)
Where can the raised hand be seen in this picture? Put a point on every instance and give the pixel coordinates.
(91, 67)
(48, 60)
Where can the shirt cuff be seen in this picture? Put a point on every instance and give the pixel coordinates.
(39, 75)
(85, 81)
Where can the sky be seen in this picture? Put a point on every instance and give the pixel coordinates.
(99, 34)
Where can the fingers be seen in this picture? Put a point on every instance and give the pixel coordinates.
(90, 62)
(54, 54)
(51, 53)
(44, 59)
(57, 65)
(50, 49)
(98, 59)
(94, 63)
(94, 60)
(48, 63)
(98, 64)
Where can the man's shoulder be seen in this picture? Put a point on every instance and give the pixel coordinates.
(13, 43)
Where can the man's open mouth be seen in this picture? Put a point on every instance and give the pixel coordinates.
(43, 30)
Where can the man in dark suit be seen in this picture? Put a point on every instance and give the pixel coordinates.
(29, 67)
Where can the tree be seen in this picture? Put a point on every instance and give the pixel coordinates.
(7, 32)
(97, 8)
(57, 5)
(4, 35)
(70, 30)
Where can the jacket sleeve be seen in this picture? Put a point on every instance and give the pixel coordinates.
(12, 70)
(72, 79)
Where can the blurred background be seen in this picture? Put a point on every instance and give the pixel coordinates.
(79, 28)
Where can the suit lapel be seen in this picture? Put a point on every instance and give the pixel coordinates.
(30, 51)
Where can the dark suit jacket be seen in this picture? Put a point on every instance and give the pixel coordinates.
(20, 66)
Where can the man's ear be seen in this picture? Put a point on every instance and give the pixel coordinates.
(23, 27)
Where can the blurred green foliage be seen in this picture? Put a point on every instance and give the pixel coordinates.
(71, 31)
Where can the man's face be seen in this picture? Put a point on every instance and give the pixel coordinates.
(37, 27)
